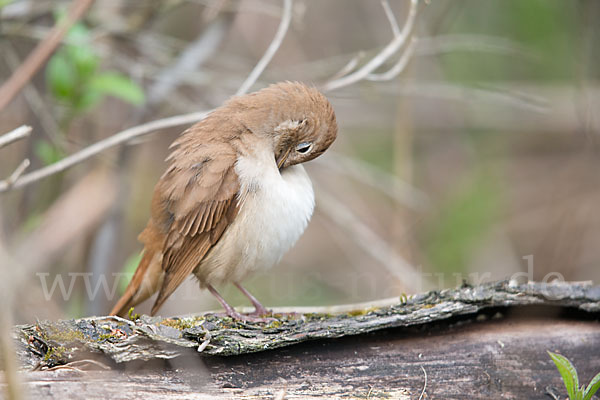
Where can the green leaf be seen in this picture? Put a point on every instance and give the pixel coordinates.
(88, 99)
(568, 373)
(60, 77)
(78, 33)
(84, 60)
(592, 388)
(81, 52)
(47, 153)
(118, 86)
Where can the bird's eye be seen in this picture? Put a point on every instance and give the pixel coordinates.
(304, 148)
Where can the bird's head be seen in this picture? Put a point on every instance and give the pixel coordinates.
(297, 119)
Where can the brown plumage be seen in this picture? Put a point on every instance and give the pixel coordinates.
(215, 178)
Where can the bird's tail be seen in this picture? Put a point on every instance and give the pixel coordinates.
(145, 282)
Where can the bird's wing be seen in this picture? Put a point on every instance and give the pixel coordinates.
(194, 202)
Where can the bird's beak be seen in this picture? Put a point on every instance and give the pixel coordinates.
(281, 159)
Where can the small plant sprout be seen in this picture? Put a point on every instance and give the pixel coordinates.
(571, 380)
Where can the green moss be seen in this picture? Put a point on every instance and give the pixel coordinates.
(274, 324)
(364, 311)
(56, 355)
(61, 335)
(317, 316)
(105, 336)
(182, 323)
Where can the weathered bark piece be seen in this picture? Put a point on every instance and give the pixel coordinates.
(497, 354)
(49, 344)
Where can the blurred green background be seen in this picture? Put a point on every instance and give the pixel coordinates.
(478, 162)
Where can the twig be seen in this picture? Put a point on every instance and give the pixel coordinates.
(34, 98)
(88, 361)
(286, 17)
(398, 67)
(346, 69)
(190, 59)
(98, 147)
(381, 57)
(41, 53)
(16, 134)
(17, 172)
(445, 44)
(391, 17)
(424, 384)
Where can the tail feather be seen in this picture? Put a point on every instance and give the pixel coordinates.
(145, 282)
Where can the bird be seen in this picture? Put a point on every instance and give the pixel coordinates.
(234, 197)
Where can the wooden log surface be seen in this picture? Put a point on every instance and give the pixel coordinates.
(488, 341)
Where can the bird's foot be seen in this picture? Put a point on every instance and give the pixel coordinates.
(260, 311)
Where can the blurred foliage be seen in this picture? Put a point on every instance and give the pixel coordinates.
(462, 222)
(376, 148)
(74, 79)
(47, 153)
(547, 28)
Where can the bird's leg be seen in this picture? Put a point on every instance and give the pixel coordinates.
(259, 309)
(230, 311)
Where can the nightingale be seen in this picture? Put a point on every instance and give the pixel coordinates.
(235, 196)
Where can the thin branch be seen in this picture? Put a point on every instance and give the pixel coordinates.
(424, 384)
(391, 17)
(17, 134)
(346, 69)
(17, 173)
(398, 67)
(40, 54)
(190, 59)
(34, 98)
(121, 137)
(286, 17)
(381, 57)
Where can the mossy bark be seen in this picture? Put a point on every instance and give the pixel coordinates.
(48, 344)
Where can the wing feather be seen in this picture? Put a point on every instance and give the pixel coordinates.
(197, 201)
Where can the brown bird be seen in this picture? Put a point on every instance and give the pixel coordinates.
(234, 197)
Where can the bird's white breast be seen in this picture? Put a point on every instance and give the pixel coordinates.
(274, 211)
